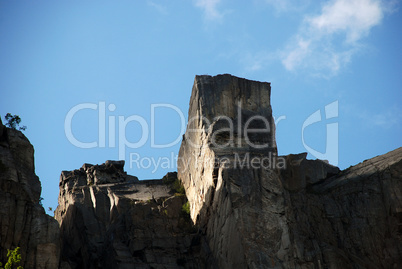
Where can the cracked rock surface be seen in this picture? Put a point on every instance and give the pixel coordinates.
(109, 219)
(239, 205)
(23, 221)
(298, 213)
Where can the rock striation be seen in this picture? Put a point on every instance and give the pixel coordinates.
(109, 219)
(239, 207)
(348, 220)
(234, 203)
(23, 221)
(258, 210)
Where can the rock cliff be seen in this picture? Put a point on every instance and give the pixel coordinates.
(23, 221)
(239, 207)
(232, 204)
(109, 219)
(258, 210)
(348, 220)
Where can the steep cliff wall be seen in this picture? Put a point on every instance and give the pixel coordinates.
(349, 220)
(224, 165)
(23, 222)
(252, 208)
(257, 210)
(109, 219)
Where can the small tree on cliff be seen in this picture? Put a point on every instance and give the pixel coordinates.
(13, 122)
(14, 257)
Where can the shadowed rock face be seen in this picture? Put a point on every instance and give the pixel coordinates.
(109, 219)
(350, 220)
(23, 221)
(287, 212)
(252, 209)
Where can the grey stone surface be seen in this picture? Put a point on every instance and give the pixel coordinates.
(239, 207)
(23, 221)
(300, 172)
(298, 214)
(118, 221)
(350, 220)
(251, 208)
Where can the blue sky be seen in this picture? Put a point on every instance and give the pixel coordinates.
(56, 55)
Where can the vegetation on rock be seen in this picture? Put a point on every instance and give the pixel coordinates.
(14, 257)
(186, 208)
(175, 184)
(13, 122)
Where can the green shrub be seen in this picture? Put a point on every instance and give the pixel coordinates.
(185, 222)
(13, 122)
(171, 180)
(14, 257)
(186, 208)
(178, 187)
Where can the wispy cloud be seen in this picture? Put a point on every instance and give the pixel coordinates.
(327, 41)
(210, 8)
(252, 62)
(288, 5)
(297, 54)
(390, 118)
(160, 8)
(279, 5)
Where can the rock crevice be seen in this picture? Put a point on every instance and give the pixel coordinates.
(234, 203)
(110, 219)
(258, 210)
(23, 221)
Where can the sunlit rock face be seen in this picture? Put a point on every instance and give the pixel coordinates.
(230, 122)
(258, 210)
(227, 164)
(23, 221)
(251, 208)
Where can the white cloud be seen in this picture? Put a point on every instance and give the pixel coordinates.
(326, 42)
(354, 18)
(296, 55)
(210, 8)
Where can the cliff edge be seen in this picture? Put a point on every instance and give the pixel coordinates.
(260, 210)
(23, 221)
(109, 219)
(234, 203)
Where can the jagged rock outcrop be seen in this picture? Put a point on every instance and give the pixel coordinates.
(23, 221)
(109, 219)
(223, 163)
(251, 208)
(299, 172)
(257, 210)
(350, 220)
